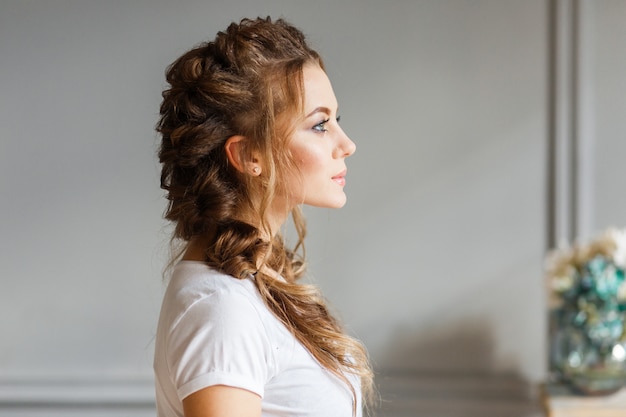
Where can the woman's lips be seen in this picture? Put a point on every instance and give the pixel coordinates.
(340, 178)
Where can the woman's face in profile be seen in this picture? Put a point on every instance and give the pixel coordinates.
(319, 146)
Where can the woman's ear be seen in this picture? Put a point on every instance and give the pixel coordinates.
(234, 152)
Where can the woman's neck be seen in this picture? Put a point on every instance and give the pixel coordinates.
(196, 249)
(197, 246)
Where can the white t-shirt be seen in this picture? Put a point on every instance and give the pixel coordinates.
(216, 330)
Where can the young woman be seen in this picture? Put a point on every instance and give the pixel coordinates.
(250, 132)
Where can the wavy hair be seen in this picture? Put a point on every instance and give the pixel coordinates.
(248, 82)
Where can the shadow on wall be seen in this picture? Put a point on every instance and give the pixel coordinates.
(465, 346)
(451, 371)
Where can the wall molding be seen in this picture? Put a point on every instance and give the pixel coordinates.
(571, 122)
(409, 394)
(60, 393)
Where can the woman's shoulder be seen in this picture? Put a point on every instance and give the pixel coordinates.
(195, 277)
(195, 283)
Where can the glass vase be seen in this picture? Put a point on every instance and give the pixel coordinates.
(591, 366)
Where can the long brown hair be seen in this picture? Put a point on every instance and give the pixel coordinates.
(247, 82)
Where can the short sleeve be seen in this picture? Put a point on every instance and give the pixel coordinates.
(219, 340)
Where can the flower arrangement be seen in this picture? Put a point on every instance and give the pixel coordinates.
(587, 286)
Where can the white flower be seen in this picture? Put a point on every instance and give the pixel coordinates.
(557, 262)
(619, 252)
(562, 283)
(604, 246)
(562, 265)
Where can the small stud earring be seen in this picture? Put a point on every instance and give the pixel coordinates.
(256, 170)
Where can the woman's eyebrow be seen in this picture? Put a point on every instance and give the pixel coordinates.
(320, 110)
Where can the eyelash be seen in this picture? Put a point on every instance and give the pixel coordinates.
(321, 127)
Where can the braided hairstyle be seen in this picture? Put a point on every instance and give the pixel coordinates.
(247, 82)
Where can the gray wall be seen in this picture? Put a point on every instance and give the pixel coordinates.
(436, 261)
(608, 101)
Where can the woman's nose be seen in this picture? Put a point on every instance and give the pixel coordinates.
(346, 146)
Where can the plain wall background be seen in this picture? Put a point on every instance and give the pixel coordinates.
(435, 262)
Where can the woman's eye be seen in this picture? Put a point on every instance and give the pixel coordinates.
(321, 126)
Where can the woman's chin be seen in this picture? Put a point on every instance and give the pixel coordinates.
(332, 204)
